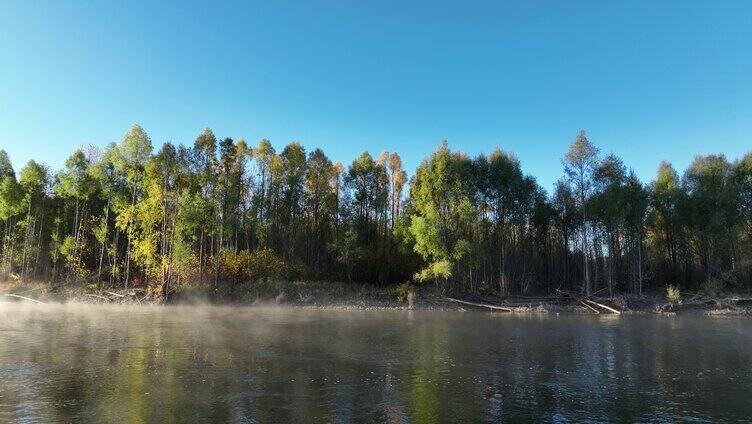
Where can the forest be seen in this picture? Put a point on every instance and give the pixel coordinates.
(220, 213)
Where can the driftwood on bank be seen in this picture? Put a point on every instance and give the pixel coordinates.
(24, 298)
(608, 308)
(587, 302)
(481, 305)
(588, 306)
(699, 301)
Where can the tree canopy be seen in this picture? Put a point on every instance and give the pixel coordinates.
(221, 212)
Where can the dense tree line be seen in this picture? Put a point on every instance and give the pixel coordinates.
(223, 212)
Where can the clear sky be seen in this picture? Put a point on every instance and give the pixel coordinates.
(648, 80)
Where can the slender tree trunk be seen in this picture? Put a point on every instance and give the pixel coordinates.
(201, 259)
(30, 229)
(217, 262)
(26, 242)
(6, 238)
(39, 247)
(130, 236)
(127, 261)
(57, 248)
(168, 281)
(163, 236)
(585, 254)
(104, 240)
(639, 259)
(115, 249)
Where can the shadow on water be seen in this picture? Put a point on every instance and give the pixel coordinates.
(63, 363)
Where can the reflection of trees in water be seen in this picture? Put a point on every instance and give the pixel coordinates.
(226, 365)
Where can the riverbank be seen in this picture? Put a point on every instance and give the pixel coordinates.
(344, 296)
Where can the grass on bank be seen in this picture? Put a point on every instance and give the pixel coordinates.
(673, 295)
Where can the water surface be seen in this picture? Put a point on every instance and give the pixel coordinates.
(222, 364)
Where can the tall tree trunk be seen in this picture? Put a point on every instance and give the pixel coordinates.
(104, 239)
(26, 242)
(639, 259)
(201, 258)
(585, 254)
(39, 247)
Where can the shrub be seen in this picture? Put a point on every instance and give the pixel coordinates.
(486, 288)
(296, 270)
(245, 265)
(405, 293)
(672, 294)
(185, 267)
(264, 264)
(712, 287)
(402, 291)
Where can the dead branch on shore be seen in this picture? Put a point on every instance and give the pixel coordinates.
(604, 306)
(588, 306)
(481, 305)
(24, 298)
(590, 302)
(698, 300)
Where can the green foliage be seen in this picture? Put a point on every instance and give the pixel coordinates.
(265, 265)
(132, 154)
(221, 214)
(185, 264)
(10, 197)
(435, 270)
(346, 250)
(34, 179)
(75, 181)
(443, 200)
(67, 246)
(258, 265)
(100, 231)
(6, 167)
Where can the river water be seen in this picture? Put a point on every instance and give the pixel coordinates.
(224, 364)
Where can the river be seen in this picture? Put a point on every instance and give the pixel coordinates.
(276, 365)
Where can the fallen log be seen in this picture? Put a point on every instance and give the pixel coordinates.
(588, 306)
(481, 305)
(24, 298)
(737, 299)
(572, 296)
(608, 308)
(590, 301)
(524, 304)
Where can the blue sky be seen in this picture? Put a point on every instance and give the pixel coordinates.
(648, 80)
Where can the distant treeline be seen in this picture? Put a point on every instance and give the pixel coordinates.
(223, 212)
